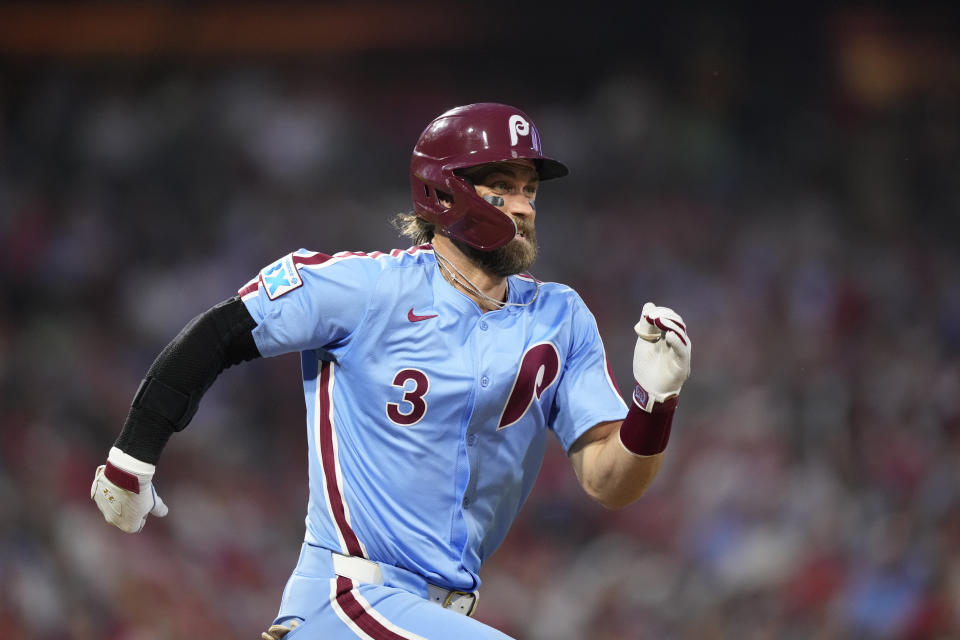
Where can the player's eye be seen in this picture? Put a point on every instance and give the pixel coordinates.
(500, 187)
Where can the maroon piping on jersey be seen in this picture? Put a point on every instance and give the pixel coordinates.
(320, 258)
(328, 458)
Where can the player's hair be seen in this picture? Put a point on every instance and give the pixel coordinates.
(412, 226)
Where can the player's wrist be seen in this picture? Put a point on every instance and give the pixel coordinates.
(646, 429)
(127, 472)
(646, 397)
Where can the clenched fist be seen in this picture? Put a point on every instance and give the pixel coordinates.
(124, 493)
(661, 359)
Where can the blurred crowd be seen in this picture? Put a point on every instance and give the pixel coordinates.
(802, 218)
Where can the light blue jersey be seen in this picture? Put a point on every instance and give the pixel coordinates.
(426, 418)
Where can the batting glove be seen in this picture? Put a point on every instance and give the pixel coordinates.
(661, 359)
(124, 493)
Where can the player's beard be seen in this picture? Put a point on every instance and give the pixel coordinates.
(514, 257)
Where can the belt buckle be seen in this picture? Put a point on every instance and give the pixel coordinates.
(454, 592)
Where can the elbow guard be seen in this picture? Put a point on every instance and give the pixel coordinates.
(169, 395)
(174, 406)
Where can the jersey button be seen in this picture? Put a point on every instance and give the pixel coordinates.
(483, 325)
(484, 381)
(466, 502)
(472, 439)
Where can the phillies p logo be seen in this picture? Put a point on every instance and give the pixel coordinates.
(518, 127)
(539, 369)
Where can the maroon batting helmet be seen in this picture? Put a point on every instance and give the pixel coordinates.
(465, 137)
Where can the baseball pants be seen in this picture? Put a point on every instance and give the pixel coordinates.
(330, 607)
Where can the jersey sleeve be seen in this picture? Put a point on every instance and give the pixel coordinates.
(308, 300)
(587, 394)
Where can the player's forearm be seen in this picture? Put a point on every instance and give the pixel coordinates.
(170, 393)
(612, 475)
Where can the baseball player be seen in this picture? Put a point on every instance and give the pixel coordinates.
(431, 378)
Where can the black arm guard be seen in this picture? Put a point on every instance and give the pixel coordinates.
(170, 394)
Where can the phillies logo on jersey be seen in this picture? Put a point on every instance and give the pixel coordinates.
(280, 277)
(538, 371)
(518, 127)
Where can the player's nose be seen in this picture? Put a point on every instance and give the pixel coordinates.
(521, 205)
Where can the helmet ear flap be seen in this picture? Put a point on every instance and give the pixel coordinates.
(459, 212)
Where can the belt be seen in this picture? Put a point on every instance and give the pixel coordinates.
(368, 572)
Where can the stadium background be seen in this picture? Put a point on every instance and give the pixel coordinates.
(787, 179)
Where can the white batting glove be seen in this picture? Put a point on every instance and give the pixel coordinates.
(124, 493)
(661, 359)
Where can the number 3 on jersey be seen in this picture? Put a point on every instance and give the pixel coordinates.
(411, 396)
(538, 370)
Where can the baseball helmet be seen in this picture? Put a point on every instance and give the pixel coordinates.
(465, 137)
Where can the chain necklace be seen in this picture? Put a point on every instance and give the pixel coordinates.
(452, 272)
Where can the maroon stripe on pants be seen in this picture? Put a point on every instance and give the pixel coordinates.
(328, 458)
(360, 616)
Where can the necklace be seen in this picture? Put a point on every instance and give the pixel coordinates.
(451, 273)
